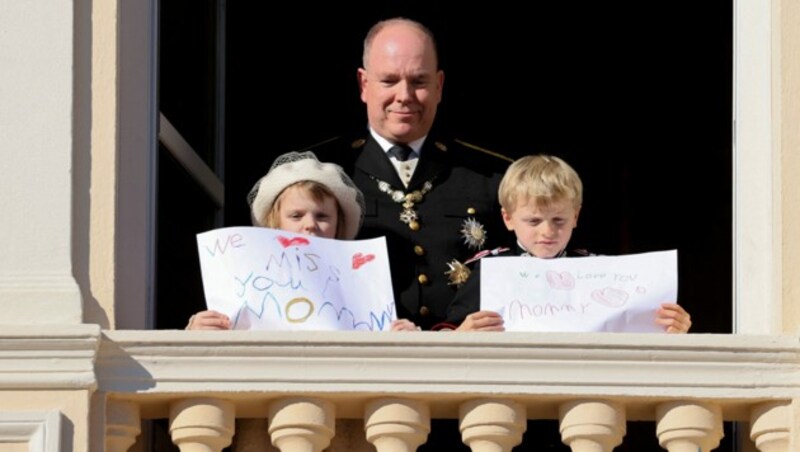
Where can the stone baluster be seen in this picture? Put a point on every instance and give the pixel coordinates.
(770, 426)
(301, 424)
(688, 426)
(396, 425)
(492, 425)
(591, 425)
(201, 424)
(123, 425)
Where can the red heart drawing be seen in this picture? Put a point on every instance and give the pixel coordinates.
(297, 241)
(610, 297)
(361, 259)
(561, 281)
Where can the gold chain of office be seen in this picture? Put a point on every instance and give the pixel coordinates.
(408, 215)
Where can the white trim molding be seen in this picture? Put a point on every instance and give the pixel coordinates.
(41, 430)
(48, 357)
(350, 368)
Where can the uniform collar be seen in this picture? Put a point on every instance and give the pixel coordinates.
(374, 161)
(521, 251)
(385, 144)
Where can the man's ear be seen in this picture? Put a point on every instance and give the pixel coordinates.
(577, 213)
(506, 218)
(440, 83)
(361, 75)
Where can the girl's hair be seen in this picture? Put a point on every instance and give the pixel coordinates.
(318, 193)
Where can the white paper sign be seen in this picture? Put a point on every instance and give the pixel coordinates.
(269, 279)
(597, 293)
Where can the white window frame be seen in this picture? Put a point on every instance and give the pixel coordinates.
(137, 164)
(756, 174)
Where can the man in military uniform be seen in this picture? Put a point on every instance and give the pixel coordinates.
(434, 201)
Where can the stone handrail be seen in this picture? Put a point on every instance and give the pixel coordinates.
(299, 390)
(492, 382)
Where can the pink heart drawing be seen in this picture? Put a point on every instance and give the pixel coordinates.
(560, 281)
(361, 259)
(297, 241)
(610, 297)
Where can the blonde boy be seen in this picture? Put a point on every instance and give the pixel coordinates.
(541, 197)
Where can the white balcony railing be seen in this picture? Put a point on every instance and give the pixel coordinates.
(367, 391)
(299, 384)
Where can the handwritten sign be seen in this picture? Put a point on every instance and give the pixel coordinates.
(598, 293)
(269, 279)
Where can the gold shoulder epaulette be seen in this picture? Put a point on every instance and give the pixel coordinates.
(484, 150)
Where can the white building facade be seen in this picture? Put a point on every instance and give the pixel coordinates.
(79, 125)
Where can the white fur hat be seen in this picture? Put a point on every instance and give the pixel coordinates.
(295, 167)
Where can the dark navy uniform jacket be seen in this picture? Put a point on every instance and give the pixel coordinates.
(464, 185)
(468, 298)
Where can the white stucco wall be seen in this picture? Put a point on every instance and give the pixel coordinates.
(36, 123)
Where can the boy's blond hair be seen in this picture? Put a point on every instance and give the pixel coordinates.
(543, 178)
